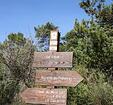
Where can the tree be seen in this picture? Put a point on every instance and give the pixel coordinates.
(94, 90)
(16, 55)
(99, 10)
(18, 38)
(92, 46)
(92, 7)
(42, 35)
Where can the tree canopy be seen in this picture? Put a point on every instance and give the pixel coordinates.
(16, 54)
(43, 34)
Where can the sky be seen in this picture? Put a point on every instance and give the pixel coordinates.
(23, 15)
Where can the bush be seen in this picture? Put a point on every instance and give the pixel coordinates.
(95, 89)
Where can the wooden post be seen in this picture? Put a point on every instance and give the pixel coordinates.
(54, 43)
(53, 47)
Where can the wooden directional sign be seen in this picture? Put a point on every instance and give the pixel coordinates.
(58, 78)
(45, 96)
(51, 78)
(53, 59)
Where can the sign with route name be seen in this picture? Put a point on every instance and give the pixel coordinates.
(45, 96)
(53, 59)
(58, 78)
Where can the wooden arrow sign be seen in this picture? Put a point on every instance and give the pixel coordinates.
(52, 59)
(45, 96)
(58, 78)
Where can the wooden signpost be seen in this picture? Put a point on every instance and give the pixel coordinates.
(52, 77)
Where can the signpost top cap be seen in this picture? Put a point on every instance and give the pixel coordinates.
(55, 30)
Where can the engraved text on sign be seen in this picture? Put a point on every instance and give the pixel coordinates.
(52, 59)
(45, 96)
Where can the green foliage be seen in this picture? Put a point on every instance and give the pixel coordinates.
(99, 10)
(105, 16)
(44, 29)
(17, 38)
(92, 7)
(43, 34)
(16, 55)
(92, 46)
(8, 87)
(94, 90)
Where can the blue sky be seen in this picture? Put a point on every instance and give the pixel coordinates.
(23, 15)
